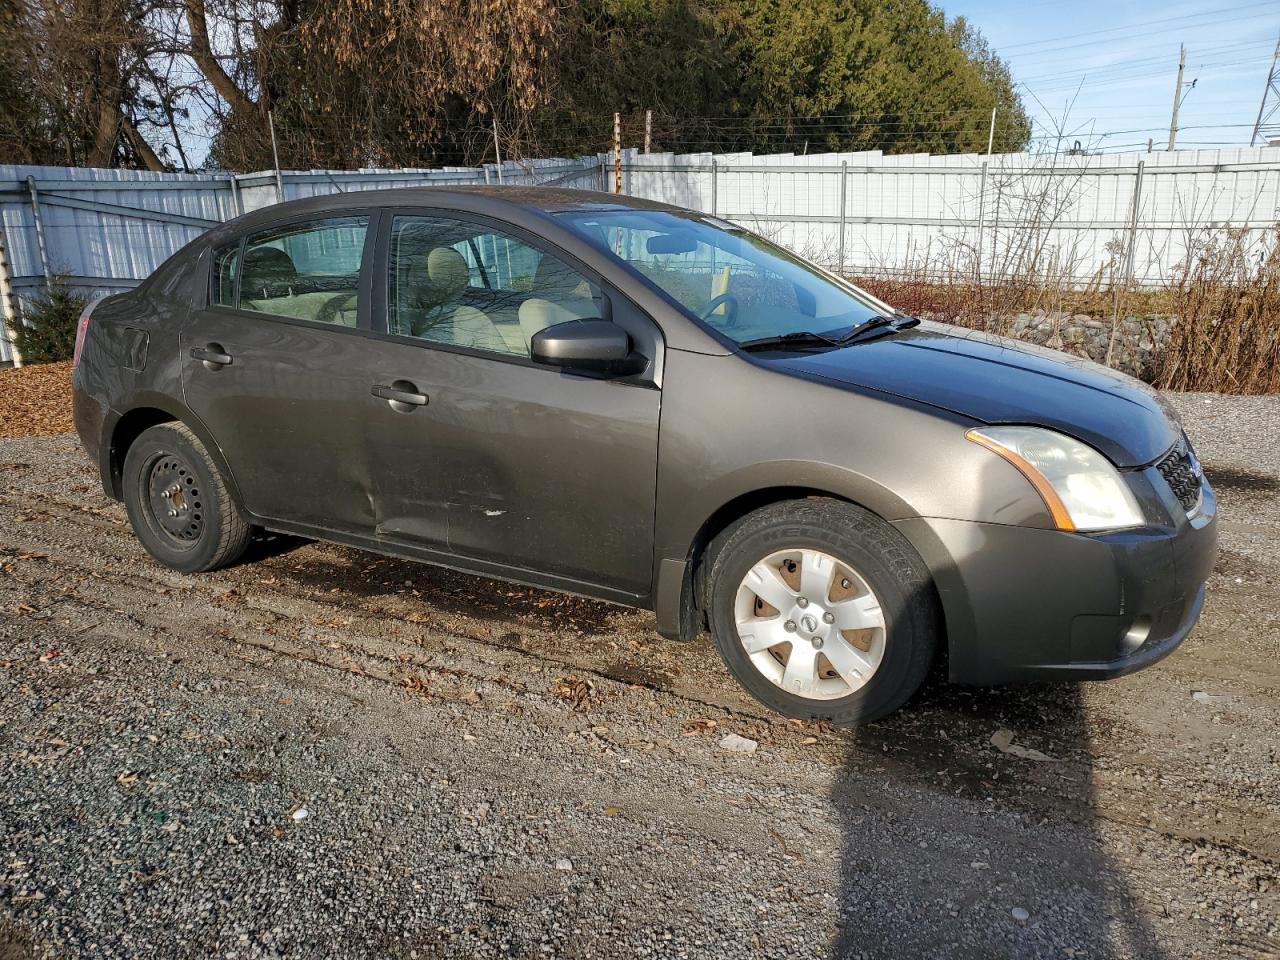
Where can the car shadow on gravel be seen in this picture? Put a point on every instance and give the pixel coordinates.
(1227, 477)
(989, 834)
(386, 580)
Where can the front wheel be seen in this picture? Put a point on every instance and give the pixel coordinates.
(178, 502)
(822, 610)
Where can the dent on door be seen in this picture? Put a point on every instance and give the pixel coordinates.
(520, 466)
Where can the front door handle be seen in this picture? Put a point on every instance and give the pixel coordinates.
(213, 356)
(402, 395)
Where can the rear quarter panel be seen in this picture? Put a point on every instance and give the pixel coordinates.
(131, 356)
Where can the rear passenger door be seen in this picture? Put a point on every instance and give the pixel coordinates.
(524, 466)
(274, 367)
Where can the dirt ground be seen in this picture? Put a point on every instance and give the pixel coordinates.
(322, 753)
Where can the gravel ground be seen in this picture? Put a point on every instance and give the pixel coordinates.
(322, 753)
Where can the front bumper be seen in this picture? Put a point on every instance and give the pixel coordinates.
(1031, 604)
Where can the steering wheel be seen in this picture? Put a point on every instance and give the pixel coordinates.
(328, 313)
(726, 300)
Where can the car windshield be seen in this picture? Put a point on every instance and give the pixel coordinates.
(736, 282)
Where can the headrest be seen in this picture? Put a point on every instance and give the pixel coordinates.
(268, 265)
(447, 270)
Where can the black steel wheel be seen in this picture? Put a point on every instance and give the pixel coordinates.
(178, 502)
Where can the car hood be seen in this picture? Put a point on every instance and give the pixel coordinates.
(996, 380)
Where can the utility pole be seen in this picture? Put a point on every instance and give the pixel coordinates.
(497, 150)
(8, 311)
(275, 156)
(617, 153)
(1177, 95)
(982, 197)
(1270, 98)
(648, 129)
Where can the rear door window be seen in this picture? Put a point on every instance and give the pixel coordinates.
(306, 271)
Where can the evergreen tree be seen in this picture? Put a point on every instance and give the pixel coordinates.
(45, 330)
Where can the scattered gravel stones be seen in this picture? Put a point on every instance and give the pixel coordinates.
(158, 733)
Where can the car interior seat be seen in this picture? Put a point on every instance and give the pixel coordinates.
(450, 320)
(560, 294)
(268, 273)
(271, 283)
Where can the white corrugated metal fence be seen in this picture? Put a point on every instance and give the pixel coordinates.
(1080, 219)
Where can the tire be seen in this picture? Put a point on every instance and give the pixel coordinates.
(877, 586)
(178, 502)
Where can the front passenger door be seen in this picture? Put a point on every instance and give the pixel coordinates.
(529, 468)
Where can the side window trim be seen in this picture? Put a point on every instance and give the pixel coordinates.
(211, 293)
(365, 282)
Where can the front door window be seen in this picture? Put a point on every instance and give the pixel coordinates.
(468, 285)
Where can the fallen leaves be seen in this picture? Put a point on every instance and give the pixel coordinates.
(35, 401)
(416, 685)
(782, 842)
(579, 692)
(55, 749)
(694, 728)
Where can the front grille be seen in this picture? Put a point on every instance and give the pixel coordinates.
(1181, 470)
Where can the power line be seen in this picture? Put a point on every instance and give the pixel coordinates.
(1209, 51)
(1143, 23)
(1136, 36)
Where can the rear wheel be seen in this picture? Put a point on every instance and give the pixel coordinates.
(822, 611)
(178, 503)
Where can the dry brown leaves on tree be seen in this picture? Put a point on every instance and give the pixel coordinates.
(35, 401)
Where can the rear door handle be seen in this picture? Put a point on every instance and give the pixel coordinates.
(401, 395)
(213, 355)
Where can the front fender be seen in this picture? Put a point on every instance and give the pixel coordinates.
(737, 493)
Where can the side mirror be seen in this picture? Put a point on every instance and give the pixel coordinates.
(589, 346)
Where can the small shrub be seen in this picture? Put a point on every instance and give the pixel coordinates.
(45, 330)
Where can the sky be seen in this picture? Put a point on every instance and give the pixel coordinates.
(1104, 72)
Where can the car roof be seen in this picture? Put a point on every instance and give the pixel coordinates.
(508, 203)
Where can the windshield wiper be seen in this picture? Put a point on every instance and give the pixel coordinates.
(801, 338)
(879, 321)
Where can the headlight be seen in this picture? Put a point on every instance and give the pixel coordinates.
(1081, 488)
